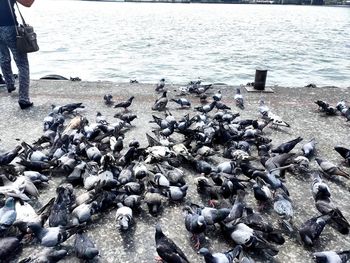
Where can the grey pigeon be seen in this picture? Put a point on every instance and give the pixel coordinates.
(213, 215)
(160, 85)
(226, 257)
(330, 168)
(51, 236)
(108, 99)
(47, 255)
(283, 206)
(124, 217)
(239, 99)
(84, 247)
(177, 193)
(206, 108)
(217, 96)
(182, 102)
(309, 148)
(7, 214)
(195, 224)
(161, 103)
(331, 256)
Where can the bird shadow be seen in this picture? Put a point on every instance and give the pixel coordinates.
(128, 238)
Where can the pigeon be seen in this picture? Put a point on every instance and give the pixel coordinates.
(184, 103)
(319, 188)
(283, 206)
(325, 206)
(161, 103)
(167, 249)
(47, 255)
(262, 192)
(213, 215)
(263, 109)
(83, 212)
(108, 99)
(124, 217)
(222, 106)
(126, 118)
(243, 235)
(68, 108)
(51, 236)
(311, 229)
(8, 157)
(277, 120)
(124, 104)
(287, 146)
(154, 201)
(325, 107)
(160, 85)
(226, 257)
(330, 168)
(308, 148)
(195, 224)
(206, 108)
(331, 256)
(237, 208)
(101, 119)
(239, 99)
(7, 214)
(177, 193)
(256, 220)
(344, 152)
(217, 96)
(8, 247)
(84, 247)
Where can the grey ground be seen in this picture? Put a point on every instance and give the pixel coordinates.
(295, 105)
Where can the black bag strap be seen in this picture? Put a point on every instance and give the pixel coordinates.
(13, 15)
(19, 11)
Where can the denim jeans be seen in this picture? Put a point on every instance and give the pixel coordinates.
(7, 43)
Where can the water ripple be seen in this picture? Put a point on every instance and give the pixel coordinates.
(219, 43)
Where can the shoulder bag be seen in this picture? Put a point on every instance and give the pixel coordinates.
(26, 37)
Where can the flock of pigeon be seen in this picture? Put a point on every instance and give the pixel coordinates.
(121, 178)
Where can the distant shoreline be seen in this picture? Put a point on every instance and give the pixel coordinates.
(244, 2)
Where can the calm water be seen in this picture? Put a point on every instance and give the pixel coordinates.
(181, 42)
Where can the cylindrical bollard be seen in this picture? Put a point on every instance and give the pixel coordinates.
(260, 79)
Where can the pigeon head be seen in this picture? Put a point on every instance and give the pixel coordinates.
(204, 251)
(159, 232)
(34, 228)
(94, 207)
(201, 220)
(124, 223)
(318, 160)
(249, 210)
(91, 252)
(10, 202)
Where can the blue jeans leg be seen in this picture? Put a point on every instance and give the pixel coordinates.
(8, 42)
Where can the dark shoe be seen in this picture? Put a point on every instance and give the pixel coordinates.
(10, 88)
(2, 81)
(25, 104)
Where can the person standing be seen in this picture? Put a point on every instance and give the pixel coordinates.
(8, 23)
